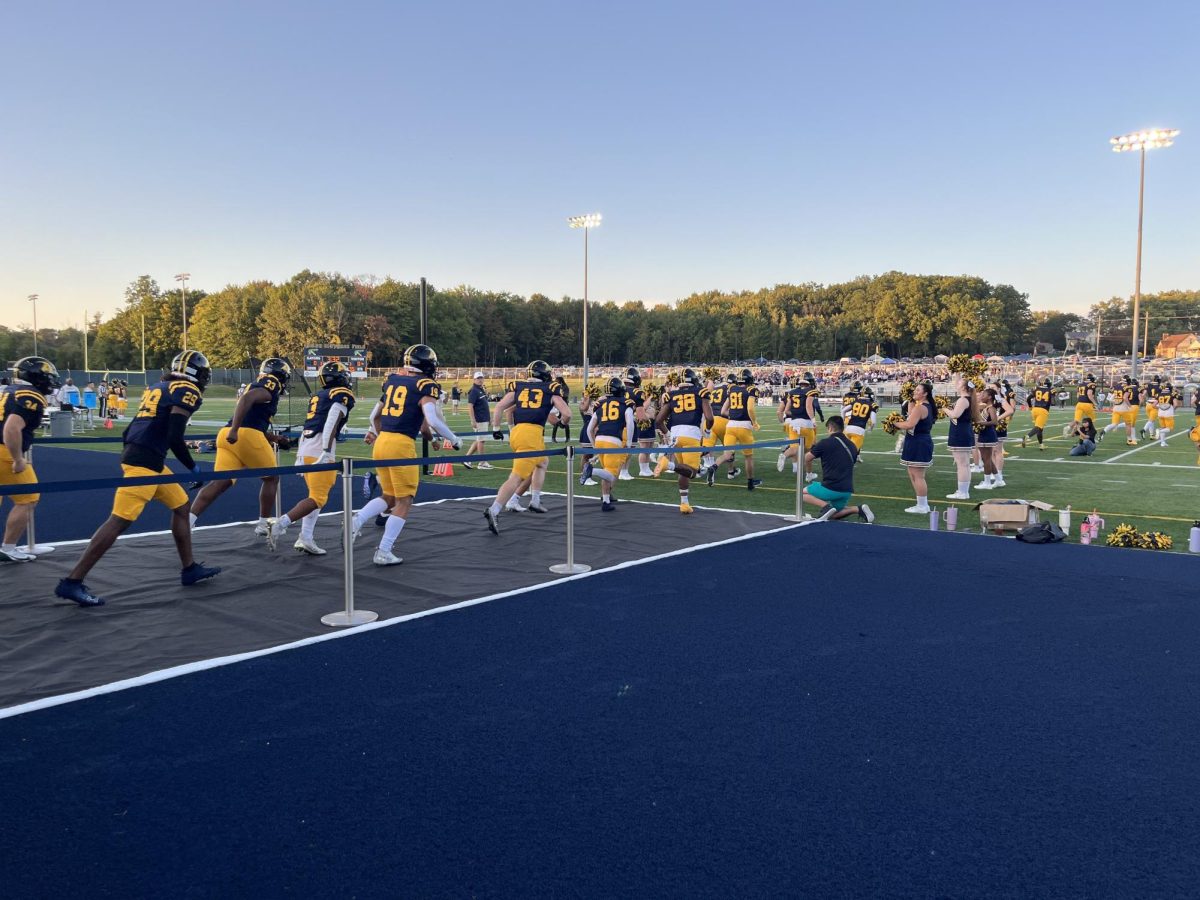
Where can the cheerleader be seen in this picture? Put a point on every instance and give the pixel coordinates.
(1005, 407)
(985, 440)
(917, 451)
(963, 415)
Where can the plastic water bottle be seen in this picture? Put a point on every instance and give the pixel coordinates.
(1194, 539)
(1064, 520)
(934, 516)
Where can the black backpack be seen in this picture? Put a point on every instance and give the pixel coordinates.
(1041, 533)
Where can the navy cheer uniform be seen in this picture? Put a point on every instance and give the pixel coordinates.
(918, 446)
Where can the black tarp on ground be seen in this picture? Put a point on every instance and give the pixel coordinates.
(262, 599)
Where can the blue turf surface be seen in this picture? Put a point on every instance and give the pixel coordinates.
(698, 727)
(76, 515)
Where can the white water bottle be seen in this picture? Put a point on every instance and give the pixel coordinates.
(1194, 539)
(1064, 520)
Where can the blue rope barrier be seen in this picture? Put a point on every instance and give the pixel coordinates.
(426, 460)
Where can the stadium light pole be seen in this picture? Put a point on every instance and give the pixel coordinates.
(182, 278)
(1140, 141)
(33, 298)
(587, 223)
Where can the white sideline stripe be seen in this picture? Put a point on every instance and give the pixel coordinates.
(202, 665)
(1058, 459)
(1113, 459)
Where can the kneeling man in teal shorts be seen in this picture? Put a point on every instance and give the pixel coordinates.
(838, 455)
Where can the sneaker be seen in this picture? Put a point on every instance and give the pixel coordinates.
(975, 468)
(484, 465)
(589, 483)
(810, 477)
(467, 465)
(537, 508)
(864, 513)
(733, 473)
(957, 495)
(262, 529)
(752, 483)
(493, 521)
(625, 476)
(16, 554)
(386, 558)
(999, 482)
(586, 475)
(780, 462)
(711, 477)
(826, 513)
(197, 572)
(685, 508)
(69, 589)
(607, 505)
(273, 533)
(645, 472)
(985, 486)
(308, 547)
(355, 529)
(920, 510)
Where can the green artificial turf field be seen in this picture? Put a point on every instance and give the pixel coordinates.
(1148, 486)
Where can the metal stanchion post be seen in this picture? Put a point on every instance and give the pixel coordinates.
(570, 567)
(350, 615)
(279, 487)
(799, 516)
(33, 546)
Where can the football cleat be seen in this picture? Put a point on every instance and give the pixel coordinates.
(685, 508)
(274, 532)
(514, 505)
(711, 477)
(752, 483)
(485, 465)
(493, 522)
(303, 546)
(536, 507)
(262, 529)
(780, 462)
(467, 465)
(733, 473)
(864, 513)
(607, 506)
(16, 554)
(197, 572)
(70, 589)
(386, 558)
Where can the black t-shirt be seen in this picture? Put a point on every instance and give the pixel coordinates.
(837, 455)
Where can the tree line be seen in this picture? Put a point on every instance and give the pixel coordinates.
(896, 313)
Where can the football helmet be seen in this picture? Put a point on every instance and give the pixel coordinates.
(633, 376)
(277, 367)
(731, 378)
(690, 376)
(746, 377)
(422, 358)
(39, 372)
(333, 374)
(616, 387)
(539, 370)
(192, 365)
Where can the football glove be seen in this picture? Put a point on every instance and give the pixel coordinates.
(498, 434)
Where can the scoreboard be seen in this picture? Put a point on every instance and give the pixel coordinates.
(353, 356)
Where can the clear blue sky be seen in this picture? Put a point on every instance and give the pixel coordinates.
(728, 145)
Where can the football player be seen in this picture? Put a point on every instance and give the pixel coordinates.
(612, 425)
(531, 401)
(685, 413)
(246, 442)
(1124, 412)
(797, 412)
(1152, 389)
(157, 428)
(1167, 400)
(408, 404)
(860, 417)
(328, 411)
(23, 403)
(717, 391)
(739, 408)
(558, 423)
(1085, 401)
(643, 422)
(1039, 411)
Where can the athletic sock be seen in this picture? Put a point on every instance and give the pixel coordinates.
(283, 521)
(8, 548)
(923, 503)
(308, 524)
(964, 487)
(391, 531)
(494, 509)
(536, 498)
(795, 468)
(262, 520)
(192, 519)
(370, 510)
(683, 497)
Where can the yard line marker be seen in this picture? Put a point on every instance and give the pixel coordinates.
(1141, 447)
(1111, 481)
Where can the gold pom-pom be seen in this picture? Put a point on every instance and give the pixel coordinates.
(711, 373)
(959, 362)
(595, 390)
(942, 405)
(892, 423)
(906, 390)
(674, 378)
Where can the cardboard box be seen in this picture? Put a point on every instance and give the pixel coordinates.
(1009, 515)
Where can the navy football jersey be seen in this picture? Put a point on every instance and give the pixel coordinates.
(30, 405)
(685, 406)
(401, 399)
(860, 411)
(319, 405)
(259, 415)
(533, 401)
(1042, 397)
(150, 429)
(610, 416)
(740, 398)
(797, 397)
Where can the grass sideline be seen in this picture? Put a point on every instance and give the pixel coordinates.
(1151, 487)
